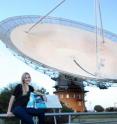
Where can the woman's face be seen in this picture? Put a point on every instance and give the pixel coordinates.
(27, 78)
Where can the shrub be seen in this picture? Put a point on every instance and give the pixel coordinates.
(98, 108)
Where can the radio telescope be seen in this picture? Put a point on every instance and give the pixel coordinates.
(62, 46)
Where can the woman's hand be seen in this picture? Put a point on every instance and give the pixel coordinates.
(44, 98)
(38, 93)
(10, 114)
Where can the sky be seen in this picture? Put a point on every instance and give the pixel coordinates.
(11, 68)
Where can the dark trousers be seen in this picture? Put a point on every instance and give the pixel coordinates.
(26, 114)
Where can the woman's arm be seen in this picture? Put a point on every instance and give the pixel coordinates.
(11, 101)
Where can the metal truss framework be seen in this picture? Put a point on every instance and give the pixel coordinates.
(9, 24)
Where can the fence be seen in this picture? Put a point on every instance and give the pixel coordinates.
(74, 118)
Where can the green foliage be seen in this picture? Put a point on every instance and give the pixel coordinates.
(65, 108)
(111, 109)
(5, 96)
(98, 108)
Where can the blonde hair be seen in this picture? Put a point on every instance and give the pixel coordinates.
(25, 87)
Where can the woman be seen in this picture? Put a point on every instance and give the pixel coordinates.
(19, 99)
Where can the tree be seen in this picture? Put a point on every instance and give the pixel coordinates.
(98, 108)
(65, 108)
(111, 109)
(5, 96)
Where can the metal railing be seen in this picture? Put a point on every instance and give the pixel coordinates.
(78, 118)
